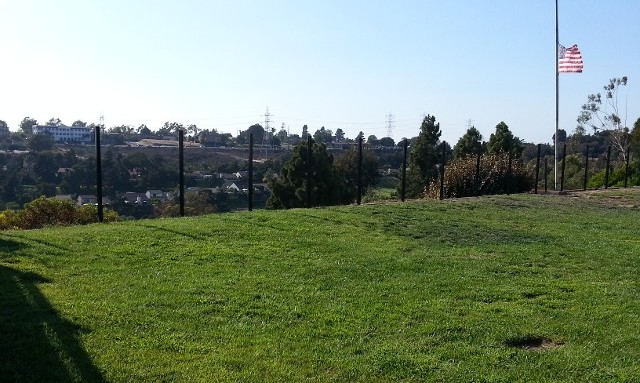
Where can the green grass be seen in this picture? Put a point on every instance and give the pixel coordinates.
(385, 189)
(423, 291)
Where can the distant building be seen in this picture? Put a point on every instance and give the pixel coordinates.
(4, 129)
(135, 198)
(157, 195)
(64, 197)
(63, 133)
(90, 199)
(230, 186)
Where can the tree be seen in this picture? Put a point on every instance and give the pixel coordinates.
(258, 134)
(468, 144)
(323, 135)
(54, 121)
(339, 135)
(386, 142)
(39, 142)
(605, 114)
(562, 136)
(372, 140)
(27, 125)
(346, 166)
(143, 130)
(122, 129)
(503, 141)
(79, 124)
(424, 157)
(282, 134)
(305, 132)
(193, 130)
(634, 139)
(289, 188)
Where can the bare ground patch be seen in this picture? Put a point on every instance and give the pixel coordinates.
(534, 343)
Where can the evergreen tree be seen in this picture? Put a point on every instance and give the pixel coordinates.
(424, 157)
(289, 189)
(468, 144)
(503, 141)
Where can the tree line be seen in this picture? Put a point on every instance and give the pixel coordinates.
(24, 138)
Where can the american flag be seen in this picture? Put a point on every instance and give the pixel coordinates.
(569, 59)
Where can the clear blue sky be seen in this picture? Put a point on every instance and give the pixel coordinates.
(339, 64)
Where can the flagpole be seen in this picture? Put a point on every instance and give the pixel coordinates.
(555, 137)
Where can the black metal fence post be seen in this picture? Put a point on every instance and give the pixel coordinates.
(509, 173)
(477, 180)
(626, 167)
(444, 154)
(606, 174)
(250, 201)
(359, 170)
(404, 171)
(546, 175)
(99, 175)
(181, 165)
(564, 157)
(535, 190)
(586, 168)
(309, 168)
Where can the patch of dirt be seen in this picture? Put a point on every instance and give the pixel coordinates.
(533, 343)
(626, 198)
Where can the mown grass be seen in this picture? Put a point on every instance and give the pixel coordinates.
(423, 291)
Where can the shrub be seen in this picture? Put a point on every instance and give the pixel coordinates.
(8, 219)
(616, 175)
(44, 212)
(495, 177)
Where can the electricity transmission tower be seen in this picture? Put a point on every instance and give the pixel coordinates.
(390, 124)
(267, 132)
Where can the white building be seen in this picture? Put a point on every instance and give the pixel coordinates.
(4, 129)
(63, 133)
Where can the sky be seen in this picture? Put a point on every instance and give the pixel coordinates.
(335, 63)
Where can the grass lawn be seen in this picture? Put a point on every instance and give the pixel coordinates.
(493, 289)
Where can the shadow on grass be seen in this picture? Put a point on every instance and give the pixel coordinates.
(35, 240)
(9, 246)
(36, 344)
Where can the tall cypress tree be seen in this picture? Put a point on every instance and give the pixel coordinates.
(424, 157)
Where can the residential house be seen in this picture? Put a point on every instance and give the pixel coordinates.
(157, 195)
(231, 186)
(242, 175)
(87, 199)
(64, 197)
(135, 198)
(90, 199)
(228, 176)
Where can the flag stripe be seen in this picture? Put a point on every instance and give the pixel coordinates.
(569, 60)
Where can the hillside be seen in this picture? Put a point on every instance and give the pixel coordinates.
(502, 289)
